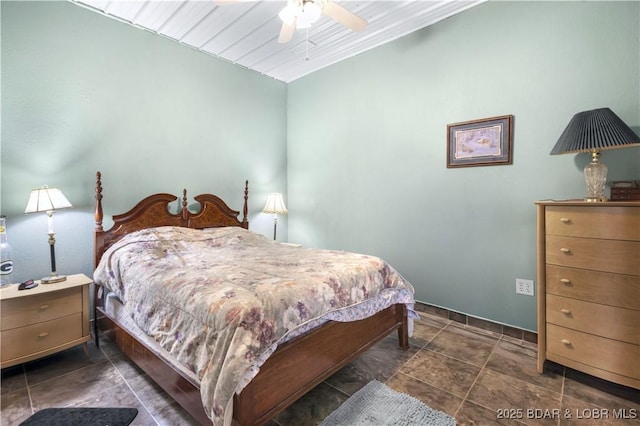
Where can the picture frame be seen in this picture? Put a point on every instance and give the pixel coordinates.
(484, 142)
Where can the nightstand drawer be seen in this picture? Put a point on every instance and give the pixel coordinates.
(38, 308)
(605, 354)
(599, 287)
(601, 320)
(618, 223)
(622, 257)
(40, 337)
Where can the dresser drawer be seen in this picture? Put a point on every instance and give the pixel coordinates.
(39, 337)
(601, 320)
(600, 287)
(605, 354)
(618, 223)
(40, 307)
(622, 257)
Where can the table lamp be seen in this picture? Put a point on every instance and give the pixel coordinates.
(594, 131)
(45, 199)
(275, 205)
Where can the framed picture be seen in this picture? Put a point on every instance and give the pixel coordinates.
(485, 142)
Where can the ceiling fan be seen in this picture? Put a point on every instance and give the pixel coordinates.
(299, 14)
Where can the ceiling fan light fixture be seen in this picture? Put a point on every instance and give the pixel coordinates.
(302, 14)
(309, 14)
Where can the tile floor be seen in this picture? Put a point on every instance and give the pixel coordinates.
(478, 376)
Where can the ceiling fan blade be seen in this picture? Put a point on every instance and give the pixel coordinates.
(286, 32)
(343, 16)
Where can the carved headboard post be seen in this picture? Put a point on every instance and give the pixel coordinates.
(98, 234)
(98, 214)
(245, 209)
(185, 210)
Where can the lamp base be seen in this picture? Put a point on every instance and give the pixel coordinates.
(595, 176)
(53, 279)
(596, 199)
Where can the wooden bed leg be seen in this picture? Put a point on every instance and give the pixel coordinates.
(96, 338)
(96, 300)
(403, 329)
(403, 337)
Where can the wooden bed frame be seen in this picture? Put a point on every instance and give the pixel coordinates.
(294, 368)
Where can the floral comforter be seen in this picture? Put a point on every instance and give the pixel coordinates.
(221, 300)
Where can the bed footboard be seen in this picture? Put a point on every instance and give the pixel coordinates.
(303, 363)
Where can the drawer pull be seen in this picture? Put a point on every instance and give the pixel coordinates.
(44, 334)
(565, 311)
(566, 342)
(565, 250)
(565, 281)
(43, 307)
(565, 220)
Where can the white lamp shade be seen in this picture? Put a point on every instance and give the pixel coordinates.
(46, 199)
(275, 204)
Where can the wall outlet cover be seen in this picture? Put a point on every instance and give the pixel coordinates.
(524, 286)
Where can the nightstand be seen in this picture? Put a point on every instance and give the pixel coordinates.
(43, 320)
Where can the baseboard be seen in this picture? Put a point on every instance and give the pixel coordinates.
(495, 327)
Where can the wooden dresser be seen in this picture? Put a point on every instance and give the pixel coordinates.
(589, 288)
(43, 320)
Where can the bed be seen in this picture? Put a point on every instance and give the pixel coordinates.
(260, 370)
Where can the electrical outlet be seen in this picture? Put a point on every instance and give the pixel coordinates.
(524, 286)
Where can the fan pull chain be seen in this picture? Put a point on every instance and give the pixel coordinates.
(307, 46)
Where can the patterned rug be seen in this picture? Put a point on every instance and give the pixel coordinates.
(82, 416)
(377, 404)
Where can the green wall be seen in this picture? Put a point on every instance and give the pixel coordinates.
(82, 93)
(367, 144)
(359, 148)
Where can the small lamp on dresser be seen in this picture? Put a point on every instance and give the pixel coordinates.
(275, 205)
(594, 131)
(45, 199)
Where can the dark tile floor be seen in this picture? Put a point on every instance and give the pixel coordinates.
(477, 376)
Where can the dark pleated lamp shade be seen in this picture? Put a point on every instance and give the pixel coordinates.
(595, 130)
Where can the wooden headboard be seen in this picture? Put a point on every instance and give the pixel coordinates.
(153, 211)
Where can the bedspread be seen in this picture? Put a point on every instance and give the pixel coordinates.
(221, 300)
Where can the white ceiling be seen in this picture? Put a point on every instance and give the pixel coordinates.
(246, 33)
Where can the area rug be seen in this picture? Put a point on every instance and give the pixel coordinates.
(377, 404)
(82, 416)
